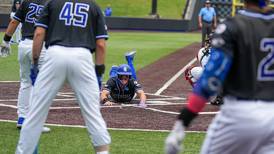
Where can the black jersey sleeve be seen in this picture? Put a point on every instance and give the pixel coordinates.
(20, 13)
(137, 86)
(101, 28)
(109, 85)
(224, 37)
(43, 19)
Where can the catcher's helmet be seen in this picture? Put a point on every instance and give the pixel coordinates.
(124, 69)
(203, 56)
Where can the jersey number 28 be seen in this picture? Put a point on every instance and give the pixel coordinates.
(75, 15)
(265, 73)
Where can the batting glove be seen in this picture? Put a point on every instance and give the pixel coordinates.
(174, 140)
(5, 49)
(33, 73)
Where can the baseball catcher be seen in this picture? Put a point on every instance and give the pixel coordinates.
(123, 85)
(193, 73)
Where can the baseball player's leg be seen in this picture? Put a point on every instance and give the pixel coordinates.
(113, 71)
(130, 58)
(50, 79)
(209, 30)
(24, 58)
(232, 132)
(203, 34)
(82, 78)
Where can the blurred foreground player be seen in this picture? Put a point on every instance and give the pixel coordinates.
(241, 63)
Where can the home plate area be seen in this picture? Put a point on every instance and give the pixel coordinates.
(160, 113)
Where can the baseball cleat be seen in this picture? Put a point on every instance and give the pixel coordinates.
(130, 55)
(46, 129)
(20, 122)
(113, 71)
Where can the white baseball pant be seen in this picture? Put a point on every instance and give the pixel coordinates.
(25, 58)
(241, 127)
(62, 64)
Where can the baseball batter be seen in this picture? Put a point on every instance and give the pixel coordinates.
(72, 31)
(242, 64)
(26, 14)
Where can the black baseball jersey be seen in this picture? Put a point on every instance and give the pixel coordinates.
(27, 14)
(73, 23)
(13, 7)
(122, 94)
(249, 39)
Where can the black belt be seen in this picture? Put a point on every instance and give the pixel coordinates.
(27, 37)
(209, 22)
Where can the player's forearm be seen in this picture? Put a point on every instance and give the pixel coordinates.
(142, 96)
(200, 19)
(100, 51)
(12, 27)
(38, 40)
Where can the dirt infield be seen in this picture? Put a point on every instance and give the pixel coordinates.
(162, 108)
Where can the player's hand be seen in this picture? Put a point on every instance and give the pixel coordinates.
(142, 104)
(108, 103)
(5, 49)
(33, 73)
(200, 25)
(174, 140)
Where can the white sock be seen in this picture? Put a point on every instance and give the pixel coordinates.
(102, 152)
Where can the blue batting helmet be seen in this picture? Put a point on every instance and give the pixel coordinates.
(124, 69)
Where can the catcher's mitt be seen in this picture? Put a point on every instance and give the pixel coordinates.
(5, 49)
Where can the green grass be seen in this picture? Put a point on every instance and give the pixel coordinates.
(75, 141)
(171, 9)
(150, 47)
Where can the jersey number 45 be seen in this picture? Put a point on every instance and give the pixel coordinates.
(75, 14)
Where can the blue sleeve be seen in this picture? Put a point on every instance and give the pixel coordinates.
(211, 81)
(201, 12)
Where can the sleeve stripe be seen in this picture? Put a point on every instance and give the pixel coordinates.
(16, 18)
(40, 25)
(101, 36)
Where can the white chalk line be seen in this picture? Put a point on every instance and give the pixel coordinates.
(9, 81)
(57, 100)
(178, 74)
(118, 129)
(121, 106)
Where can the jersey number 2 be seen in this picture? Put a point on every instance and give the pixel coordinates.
(265, 73)
(75, 15)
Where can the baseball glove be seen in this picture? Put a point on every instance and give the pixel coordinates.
(5, 49)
